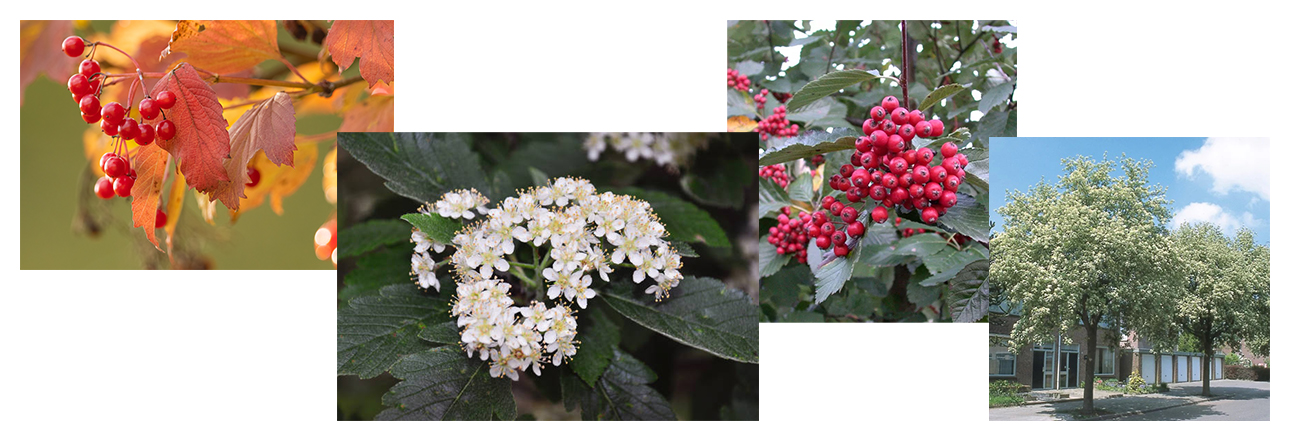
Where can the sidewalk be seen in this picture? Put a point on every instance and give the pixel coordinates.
(1110, 405)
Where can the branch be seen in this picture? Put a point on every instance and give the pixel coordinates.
(770, 35)
(904, 63)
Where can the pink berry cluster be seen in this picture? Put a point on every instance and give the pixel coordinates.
(739, 82)
(830, 233)
(790, 236)
(776, 125)
(760, 98)
(777, 173)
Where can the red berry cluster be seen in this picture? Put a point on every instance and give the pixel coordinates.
(782, 97)
(739, 82)
(777, 173)
(790, 236)
(827, 232)
(119, 180)
(760, 99)
(998, 47)
(776, 125)
(817, 160)
(86, 87)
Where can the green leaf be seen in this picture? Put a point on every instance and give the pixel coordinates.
(443, 384)
(785, 288)
(598, 338)
(978, 173)
(995, 96)
(378, 269)
(682, 249)
(539, 178)
(970, 293)
(828, 84)
(366, 236)
(684, 221)
(920, 295)
(559, 157)
(941, 93)
(375, 331)
(701, 312)
(720, 185)
(811, 112)
(621, 393)
(802, 316)
(920, 245)
(442, 333)
(968, 218)
(739, 104)
(950, 258)
(830, 276)
(419, 166)
(770, 197)
(801, 189)
(437, 227)
(769, 260)
(749, 68)
(956, 137)
(808, 145)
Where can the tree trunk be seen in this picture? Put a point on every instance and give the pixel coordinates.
(1089, 344)
(1207, 355)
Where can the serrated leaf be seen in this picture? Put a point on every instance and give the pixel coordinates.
(598, 338)
(621, 393)
(958, 136)
(784, 289)
(802, 316)
(375, 331)
(201, 142)
(378, 269)
(941, 93)
(969, 218)
(830, 276)
(739, 104)
(920, 245)
(269, 126)
(979, 171)
(921, 295)
(225, 46)
(722, 184)
(700, 312)
(443, 384)
(149, 164)
(808, 145)
(442, 333)
(374, 114)
(995, 96)
(828, 84)
(800, 189)
(811, 112)
(770, 197)
(749, 68)
(419, 166)
(684, 221)
(370, 40)
(970, 293)
(439, 228)
(769, 260)
(367, 236)
(950, 258)
(740, 124)
(683, 249)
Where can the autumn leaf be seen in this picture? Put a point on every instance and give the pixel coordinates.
(740, 124)
(225, 46)
(269, 126)
(175, 203)
(41, 52)
(149, 163)
(372, 115)
(329, 176)
(97, 144)
(370, 40)
(277, 182)
(200, 142)
(143, 39)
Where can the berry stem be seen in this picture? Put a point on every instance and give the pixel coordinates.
(904, 64)
(293, 68)
(132, 60)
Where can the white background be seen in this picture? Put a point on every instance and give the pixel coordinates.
(251, 354)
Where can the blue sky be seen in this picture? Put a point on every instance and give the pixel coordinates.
(1225, 181)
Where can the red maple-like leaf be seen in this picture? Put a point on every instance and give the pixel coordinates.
(41, 52)
(376, 114)
(371, 40)
(200, 142)
(225, 46)
(269, 126)
(150, 167)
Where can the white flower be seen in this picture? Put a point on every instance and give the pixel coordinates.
(424, 242)
(423, 268)
(458, 204)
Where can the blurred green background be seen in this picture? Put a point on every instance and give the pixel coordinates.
(60, 214)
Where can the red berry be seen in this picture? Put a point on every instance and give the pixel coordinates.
(890, 103)
(938, 173)
(129, 129)
(79, 85)
(841, 250)
(915, 117)
(835, 208)
(952, 183)
(113, 113)
(900, 115)
(898, 165)
(819, 217)
(73, 46)
(878, 192)
(103, 188)
(849, 214)
(148, 109)
(879, 214)
(907, 132)
(826, 229)
(121, 186)
(898, 195)
(860, 177)
(925, 156)
(823, 242)
(161, 219)
(949, 199)
(165, 99)
(921, 174)
(877, 113)
(146, 135)
(839, 238)
(855, 229)
(930, 216)
(108, 127)
(253, 178)
(895, 144)
(923, 129)
(948, 150)
(89, 68)
(868, 160)
(115, 166)
(938, 127)
(890, 127)
(855, 194)
(870, 126)
(166, 130)
(916, 191)
(90, 118)
(90, 104)
(889, 180)
(933, 190)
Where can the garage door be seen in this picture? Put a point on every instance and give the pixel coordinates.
(1195, 367)
(1218, 367)
(1166, 368)
(1180, 362)
(1148, 367)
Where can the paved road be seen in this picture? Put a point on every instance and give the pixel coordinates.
(1243, 400)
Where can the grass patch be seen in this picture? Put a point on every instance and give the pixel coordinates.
(1001, 401)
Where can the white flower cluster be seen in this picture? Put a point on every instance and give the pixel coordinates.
(589, 233)
(423, 265)
(664, 148)
(459, 203)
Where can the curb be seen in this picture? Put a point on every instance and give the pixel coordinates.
(1140, 412)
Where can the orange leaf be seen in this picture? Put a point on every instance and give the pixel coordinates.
(268, 126)
(373, 41)
(175, 204)
(150, 166)
(41, 52)
(200, 142)
(225, 46)
(373, 115)
(740, 124)
(290, 179)
(329, 176)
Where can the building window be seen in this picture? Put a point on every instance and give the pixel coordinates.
(1002, 362)
(1105, 361)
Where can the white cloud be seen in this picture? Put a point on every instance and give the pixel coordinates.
(1208, 212)
(1243, 164)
